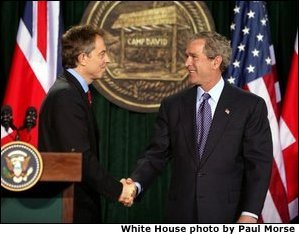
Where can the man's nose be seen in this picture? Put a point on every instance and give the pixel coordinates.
(188, 61)
(107, 59)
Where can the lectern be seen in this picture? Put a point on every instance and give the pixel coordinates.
(67, 168)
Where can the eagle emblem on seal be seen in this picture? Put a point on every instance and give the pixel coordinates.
(17, 163)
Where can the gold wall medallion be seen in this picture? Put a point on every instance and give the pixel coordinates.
(146, 43)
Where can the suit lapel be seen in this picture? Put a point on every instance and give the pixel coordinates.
(90, 116)
(188, 111)
(220, 120)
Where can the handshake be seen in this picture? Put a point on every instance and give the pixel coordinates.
(129, 192)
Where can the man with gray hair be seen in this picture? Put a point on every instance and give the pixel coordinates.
(218, 140)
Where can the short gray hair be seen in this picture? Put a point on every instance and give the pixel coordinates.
(215, 45)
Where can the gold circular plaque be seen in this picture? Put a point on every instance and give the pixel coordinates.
(146, 42)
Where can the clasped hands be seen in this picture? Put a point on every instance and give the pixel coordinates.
(128, 193)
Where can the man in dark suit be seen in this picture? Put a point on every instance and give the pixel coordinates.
(67, 122)
(218, 139)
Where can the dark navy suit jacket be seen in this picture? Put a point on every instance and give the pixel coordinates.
(66, 124)
(234, 172)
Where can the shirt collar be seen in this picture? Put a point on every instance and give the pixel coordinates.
(215, 92)
(80, 79)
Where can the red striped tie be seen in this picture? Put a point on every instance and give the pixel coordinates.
(89, 97)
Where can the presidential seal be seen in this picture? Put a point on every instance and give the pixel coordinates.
(21, 166)
(146, 43)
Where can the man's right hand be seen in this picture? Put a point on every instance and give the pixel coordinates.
(128, 193)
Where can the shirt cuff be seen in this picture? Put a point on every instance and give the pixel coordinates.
(249, 214)
(138, 185)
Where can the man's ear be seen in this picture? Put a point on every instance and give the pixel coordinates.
(82, 59)
(217, 61)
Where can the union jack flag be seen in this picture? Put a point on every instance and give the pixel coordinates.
(35, 64)
(253, 68)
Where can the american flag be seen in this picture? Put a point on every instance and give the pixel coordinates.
(253, 68)
(35, 64)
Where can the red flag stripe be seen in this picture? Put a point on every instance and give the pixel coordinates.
(42, 27)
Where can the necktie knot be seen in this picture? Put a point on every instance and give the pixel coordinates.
(205, 96)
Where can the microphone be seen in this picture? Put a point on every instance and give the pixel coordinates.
(30, 118)
(6, 118)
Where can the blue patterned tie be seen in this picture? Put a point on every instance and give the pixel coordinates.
(204, 120)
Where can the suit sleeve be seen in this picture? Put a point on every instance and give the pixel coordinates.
(69, 118)
(157, 154)
(258, 154)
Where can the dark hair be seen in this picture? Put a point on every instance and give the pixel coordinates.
(215, 45)
(78, 39)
